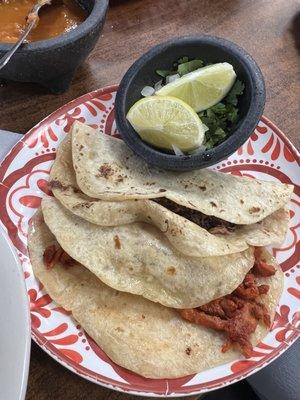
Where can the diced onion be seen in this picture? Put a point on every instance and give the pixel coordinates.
(172, 78)
(177, 151)
(147, 91)
(199, 150)
(205, 128)
(158, 85)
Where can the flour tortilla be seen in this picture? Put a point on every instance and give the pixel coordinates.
(137, 334)
(137, 258)
(107, 169)
(186, 236)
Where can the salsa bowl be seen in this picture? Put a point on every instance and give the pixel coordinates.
(53, 62)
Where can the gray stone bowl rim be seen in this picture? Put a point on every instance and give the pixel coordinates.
(97, 13)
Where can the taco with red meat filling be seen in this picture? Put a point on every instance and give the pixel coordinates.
(146, 337)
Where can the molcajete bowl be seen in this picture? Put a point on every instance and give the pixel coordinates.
(211, 50)
(52, 63)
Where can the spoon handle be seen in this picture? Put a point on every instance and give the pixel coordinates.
(4, 60)
(31, 23)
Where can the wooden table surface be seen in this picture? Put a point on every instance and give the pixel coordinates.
(267, 29)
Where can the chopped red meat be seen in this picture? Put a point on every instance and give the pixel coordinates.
(213, 224)
(54, 254)
(236, 314)
(261, 268)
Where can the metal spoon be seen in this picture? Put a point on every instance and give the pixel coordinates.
(31, 20)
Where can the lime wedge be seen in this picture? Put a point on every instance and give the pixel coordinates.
(163, 121)
(202, 88)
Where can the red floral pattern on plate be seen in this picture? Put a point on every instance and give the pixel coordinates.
(38, 308)
(266, 155)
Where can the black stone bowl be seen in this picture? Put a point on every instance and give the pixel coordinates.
(53, 62)
(211, 50)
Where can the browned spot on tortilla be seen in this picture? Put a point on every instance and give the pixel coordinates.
(55, 184)
(171, 271)
(119, 329)
(242, 201)
(188, 350)
(162, 190)
(213, 204)
(105, 171)
(253, 210)
(167, 226)
(117, 242)
(186, 186)
(120, 178)
(81, 147)
(203, 188)
(176, 231)
(143, 316)
(86, 204)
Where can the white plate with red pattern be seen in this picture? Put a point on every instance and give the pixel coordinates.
(24, 173)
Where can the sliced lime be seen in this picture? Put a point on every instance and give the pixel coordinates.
(165, 121)
(202, 88)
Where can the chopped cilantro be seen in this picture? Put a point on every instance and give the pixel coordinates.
(163, 72)
(218, 136)
(237, 90)
(182, 66)
(221, 117)
(183, 60)
(189, 66)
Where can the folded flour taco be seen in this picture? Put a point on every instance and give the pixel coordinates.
(137, 258)
(107, 169)
(146, 337)
(192, 232)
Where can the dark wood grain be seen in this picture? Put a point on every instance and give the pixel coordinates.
(269, 30)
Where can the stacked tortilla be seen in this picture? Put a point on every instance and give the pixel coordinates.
(132, 252)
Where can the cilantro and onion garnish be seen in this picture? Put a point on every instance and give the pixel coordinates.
(191, 108)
